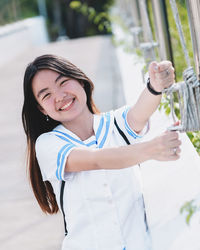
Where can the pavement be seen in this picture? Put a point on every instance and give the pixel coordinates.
(22, 223)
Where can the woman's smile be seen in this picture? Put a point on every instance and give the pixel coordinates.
(67, 105)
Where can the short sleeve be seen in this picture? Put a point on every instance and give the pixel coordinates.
(52, 153)
(121, 118)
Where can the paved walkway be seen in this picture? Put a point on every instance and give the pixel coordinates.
(22, 224)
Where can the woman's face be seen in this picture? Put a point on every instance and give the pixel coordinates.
(61, 98)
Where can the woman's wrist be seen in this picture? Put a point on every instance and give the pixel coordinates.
(151, 89)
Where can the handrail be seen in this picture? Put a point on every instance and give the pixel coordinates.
(193, 8)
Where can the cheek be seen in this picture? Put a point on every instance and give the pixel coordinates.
(47, 105)
(79, 91)
(84, 96)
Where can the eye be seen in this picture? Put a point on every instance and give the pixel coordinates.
(45, 96)
(63, 82)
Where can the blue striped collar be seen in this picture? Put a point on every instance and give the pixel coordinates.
(102, 126)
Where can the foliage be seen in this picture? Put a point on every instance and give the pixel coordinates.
(100, 19)
(97, 15)
(195, 139)
(14, 10)
(189, 208)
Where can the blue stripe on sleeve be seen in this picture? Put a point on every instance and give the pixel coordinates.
(99, 128)
(60, 159)
(107, 129)
(129, 130)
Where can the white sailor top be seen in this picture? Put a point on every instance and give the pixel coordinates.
(103, 209)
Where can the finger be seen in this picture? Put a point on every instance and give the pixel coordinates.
(174, 144)
(174, 157)
(167, 82)
(167, 73)
(153, 66)
(178, 151)
(164, 65)
(176, 123)
(171, 135)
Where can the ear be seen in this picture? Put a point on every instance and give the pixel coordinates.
(41, 109)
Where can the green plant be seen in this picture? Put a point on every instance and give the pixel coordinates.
(101, 19)
(189, 208)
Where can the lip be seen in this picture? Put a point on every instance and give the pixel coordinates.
(67, 105)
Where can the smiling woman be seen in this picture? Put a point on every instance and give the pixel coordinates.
(61, 98)
(88, 151)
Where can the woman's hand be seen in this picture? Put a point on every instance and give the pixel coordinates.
(166, 147)
(161, 75)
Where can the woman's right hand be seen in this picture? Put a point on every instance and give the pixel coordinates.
(166, 147)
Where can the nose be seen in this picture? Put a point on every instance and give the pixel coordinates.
(59, 96)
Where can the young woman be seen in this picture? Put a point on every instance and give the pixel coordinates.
(79, 159)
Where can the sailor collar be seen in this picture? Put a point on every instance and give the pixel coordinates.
(102, 124)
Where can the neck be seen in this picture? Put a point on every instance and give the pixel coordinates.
(82, 126)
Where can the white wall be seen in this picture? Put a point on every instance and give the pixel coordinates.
(18, 37)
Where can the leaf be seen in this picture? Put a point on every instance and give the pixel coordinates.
(75, 4)
(101, 27)
(188, 218)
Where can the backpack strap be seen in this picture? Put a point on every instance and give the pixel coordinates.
(61, 205)
(128, 143)
(121, 133)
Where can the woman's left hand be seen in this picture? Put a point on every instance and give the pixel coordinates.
(161, 75)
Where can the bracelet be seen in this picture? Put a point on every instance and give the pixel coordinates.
(150, 88)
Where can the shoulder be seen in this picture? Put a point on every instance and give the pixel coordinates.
(121, 113)
(51, 142)
(45, 139)
(48, 137)
(122, 109)
(122, 122)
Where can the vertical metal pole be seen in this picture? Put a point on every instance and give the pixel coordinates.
(134, 9)
(42, 8)
(162, 31)
(143, 4)
(193, 8)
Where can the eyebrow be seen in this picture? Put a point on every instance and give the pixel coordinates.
(41, 91)
(58, 78)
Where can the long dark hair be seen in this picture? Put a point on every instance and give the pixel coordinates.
(35, 124)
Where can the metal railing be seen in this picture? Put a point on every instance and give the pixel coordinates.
(193, 8)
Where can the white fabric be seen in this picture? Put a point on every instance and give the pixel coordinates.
(104, 208)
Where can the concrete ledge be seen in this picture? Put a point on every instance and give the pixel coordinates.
(18, 37)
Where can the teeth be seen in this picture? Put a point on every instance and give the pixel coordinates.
(67, 105)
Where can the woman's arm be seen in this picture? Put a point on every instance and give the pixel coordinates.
(161, 76)
(160, 148)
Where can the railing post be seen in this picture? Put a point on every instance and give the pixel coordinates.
(162, 31)
(134, 8)
(42, 8)
(193, 8)
(146, 31)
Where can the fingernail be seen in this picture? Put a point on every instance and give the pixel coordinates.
(156, 67)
